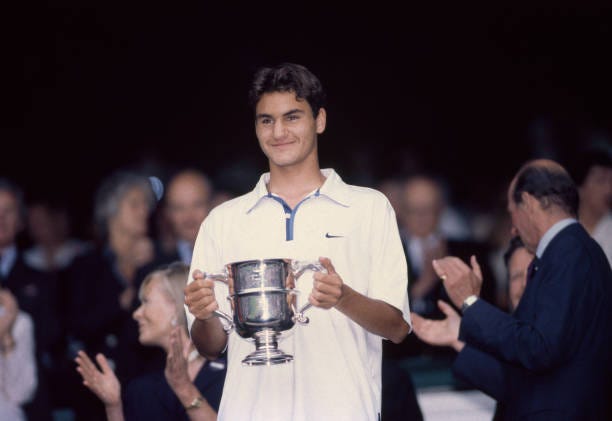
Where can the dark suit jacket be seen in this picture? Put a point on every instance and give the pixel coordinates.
(97, 320)
(412, 346)
(96, 323)
(161, 259)
(550, 359)
(150, 397)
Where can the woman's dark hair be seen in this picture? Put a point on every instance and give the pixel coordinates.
(588, 158)
(550, 185)
(288, 77)
(12, 188)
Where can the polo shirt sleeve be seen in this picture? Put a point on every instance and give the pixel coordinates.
(207, 258)
(388, 269)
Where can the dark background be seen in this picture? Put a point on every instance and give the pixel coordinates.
(470, 93)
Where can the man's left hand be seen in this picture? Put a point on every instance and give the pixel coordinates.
(327, 287)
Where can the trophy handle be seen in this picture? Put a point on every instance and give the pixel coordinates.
(298, 268)
(230, 322)
(222, 277)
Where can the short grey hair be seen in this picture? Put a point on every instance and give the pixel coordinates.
(111, 192)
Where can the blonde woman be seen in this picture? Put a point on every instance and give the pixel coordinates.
(188, 388)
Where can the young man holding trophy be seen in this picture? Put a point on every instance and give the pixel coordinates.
(263, 242)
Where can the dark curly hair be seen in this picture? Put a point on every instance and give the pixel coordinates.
(288, 77)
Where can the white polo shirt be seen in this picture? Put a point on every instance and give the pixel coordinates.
(336, 371)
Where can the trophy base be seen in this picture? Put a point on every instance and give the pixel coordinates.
(267, 357)
(266, 350)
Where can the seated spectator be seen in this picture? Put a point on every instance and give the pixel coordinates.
(17, 359)
(550, 358)
(48, 226)
(102, 286)
(36, 294)
(592, 172)
(186, 204)
(517, 259)
(497, 241)
(188, 388)
(445, 332)
(423, 206)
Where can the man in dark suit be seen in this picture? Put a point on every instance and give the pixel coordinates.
(187, 202)
(550, 359)
(421, 210)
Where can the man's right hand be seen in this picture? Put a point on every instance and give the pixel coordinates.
(200, 296)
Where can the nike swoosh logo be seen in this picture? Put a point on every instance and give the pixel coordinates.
(328, 235)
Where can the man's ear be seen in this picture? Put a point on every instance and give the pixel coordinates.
(321, 120)
(532, 203)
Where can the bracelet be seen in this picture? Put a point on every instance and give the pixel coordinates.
(195, 403)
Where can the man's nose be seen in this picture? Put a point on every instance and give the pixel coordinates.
(279, 129)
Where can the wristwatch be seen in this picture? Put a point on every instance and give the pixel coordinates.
(195, 403)
(468, 302)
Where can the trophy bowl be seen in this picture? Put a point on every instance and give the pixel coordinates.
(264, 299)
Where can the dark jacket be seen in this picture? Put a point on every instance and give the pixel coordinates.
(150, 397)
(550, 359)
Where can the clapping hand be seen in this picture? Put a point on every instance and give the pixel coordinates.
(460, 280)
(176, 362)
(104, 382)
(443, 332)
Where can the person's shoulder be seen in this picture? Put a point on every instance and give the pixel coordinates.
(366, 195)
(572, 233)
(24, 270)
(568, 237)
(573, 244)
(23, 322)
(231, 206)
(603, 229)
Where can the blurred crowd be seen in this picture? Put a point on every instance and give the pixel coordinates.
(63, 296)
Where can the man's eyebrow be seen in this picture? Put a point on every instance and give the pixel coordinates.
(288, 113)
(294, 111)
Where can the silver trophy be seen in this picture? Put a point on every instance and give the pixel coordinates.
(264, 303)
